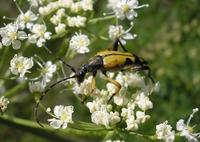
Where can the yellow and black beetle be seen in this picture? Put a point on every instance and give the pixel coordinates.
(108, 60)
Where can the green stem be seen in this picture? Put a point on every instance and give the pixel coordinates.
(47, 131)
(15, 89)
(3, 59)
(151, 137)
(95, 20)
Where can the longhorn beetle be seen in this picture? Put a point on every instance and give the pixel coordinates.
(107, 60)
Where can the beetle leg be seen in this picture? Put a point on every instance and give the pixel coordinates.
(93, 87)
(149, 72)
(117, 84)
(116, 45)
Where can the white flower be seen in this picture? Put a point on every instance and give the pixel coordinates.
(122, 79)
(37, 86)
(135, 80)
(97, 105)
(84, 88)
(111, 88)
(129, 111)
(35, 3)
(76, 21)
(186, 130)
(65, 3)
(143, 102)
(63, 116)
(125, 8)
(61, 28)
(120, 100)
(164, 132)
(11, 35)
(26, 19)
(75, 7)
(131, 123)
(141, 117)
(20, 65)
(112, 3)
(86, 5)
(50, 7)
(117, 32)
(57, 18)
(47, 71)
(101, 118)
(79, 42)
(39, 35)
(114, 118)
(3, 103)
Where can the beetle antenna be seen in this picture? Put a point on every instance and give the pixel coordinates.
(60, 59)
(69, 66)
(44, 94)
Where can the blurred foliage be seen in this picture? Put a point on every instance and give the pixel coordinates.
(168, 38)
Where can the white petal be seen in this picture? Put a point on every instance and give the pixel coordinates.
(32, 39)
(40, 42)
(131, 14)
(64, 125)
(47, 35)
(128, 36)
(21, 35)
(6, 41)
(180, 125)
(16, 44)
(55, 123)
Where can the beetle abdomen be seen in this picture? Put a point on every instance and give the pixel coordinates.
(115, 60)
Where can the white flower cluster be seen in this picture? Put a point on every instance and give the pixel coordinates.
(123, 9)
(165, 132)
(63, 8)
(13, 33)
(62, 19)
(83, 5)
(102, 114)
(76, 21)
(133, 106)
(3, 103)
(62, 115)
(79, 43)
